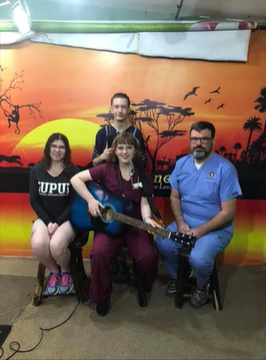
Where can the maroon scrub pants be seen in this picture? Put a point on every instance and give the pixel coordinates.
(140, 245)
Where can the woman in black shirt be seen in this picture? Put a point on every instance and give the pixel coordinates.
(50, 197)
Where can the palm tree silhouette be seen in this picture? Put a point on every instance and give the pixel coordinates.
(222, 150)
(258, 147)
(252, 124)
(242, 155)
(261, 105)
(237, 146)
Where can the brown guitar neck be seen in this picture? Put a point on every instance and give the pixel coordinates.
(110, 214)
(187, 240)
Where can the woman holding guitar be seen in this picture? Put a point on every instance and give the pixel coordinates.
(121, 177)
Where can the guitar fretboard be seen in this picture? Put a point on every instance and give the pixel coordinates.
(188, 240)
(138, 223)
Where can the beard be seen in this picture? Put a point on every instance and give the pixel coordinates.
(200, 153)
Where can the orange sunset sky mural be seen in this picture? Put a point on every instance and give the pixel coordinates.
(62, 89)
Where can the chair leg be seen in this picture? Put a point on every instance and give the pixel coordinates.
(81, 282)
(83, 279)
(75, 275)
(117, 263)
(217, 304)
(126, 271)
(38, 291)
(81, 269)
(180, 282)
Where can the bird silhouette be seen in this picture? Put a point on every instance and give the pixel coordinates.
(192, 92)
(216, 91)
(208, 101)
(220, 106)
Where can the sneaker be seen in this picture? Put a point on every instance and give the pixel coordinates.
(52, 286)
(66, 285)
(200, 296)
(171, 288)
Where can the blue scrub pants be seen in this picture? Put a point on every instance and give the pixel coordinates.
(201, 257)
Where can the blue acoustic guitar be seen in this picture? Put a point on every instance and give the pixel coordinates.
(115, 216)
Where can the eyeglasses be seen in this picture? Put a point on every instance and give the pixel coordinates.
(55, 147)
(203, 140)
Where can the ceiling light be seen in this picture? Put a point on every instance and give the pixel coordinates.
(21, 16)
(5, 3)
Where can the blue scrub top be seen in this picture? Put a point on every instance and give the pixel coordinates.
(202, 190)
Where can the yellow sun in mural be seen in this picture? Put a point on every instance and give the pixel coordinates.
(80, 133)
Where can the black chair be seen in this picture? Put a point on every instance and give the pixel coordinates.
(120, 262)
(185, 284)
(80, 279)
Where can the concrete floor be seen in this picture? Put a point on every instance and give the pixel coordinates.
(159, 331)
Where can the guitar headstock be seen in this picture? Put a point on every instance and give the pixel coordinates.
(184, 239)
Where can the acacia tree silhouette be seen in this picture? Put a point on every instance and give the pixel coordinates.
(107, 117)
(150, 113)
(9, 109)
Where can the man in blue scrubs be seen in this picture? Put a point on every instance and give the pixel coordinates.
(203, 199)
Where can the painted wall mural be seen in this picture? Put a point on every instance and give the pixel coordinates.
(45, 89)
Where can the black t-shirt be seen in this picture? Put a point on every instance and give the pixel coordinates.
(51, 197)
(108, 133)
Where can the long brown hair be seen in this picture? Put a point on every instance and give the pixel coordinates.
(128, 139)
(46, 158)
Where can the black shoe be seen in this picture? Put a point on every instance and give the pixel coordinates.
(103, 308)
(142, 299)
(171, 288)
(200, 296)
(148, 288)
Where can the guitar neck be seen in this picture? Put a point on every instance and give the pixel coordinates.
(140, 224)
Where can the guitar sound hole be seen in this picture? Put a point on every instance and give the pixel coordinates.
(107, 213)
(98, 222)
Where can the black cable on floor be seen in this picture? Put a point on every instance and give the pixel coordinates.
(17, 344)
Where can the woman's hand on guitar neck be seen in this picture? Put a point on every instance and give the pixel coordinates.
(94, 207)
(151, 222)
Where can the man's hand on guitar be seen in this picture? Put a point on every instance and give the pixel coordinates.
(183, 227)
(195, 232)
(94, 207)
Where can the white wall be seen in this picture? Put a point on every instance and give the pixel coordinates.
(215, 8)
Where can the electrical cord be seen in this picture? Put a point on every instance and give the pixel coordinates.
(15, 345)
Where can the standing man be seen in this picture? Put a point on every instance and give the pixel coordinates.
(120, 108)
(203, 199)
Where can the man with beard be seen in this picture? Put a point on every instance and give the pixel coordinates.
(203, 199)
